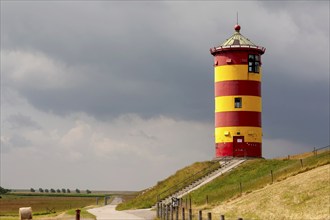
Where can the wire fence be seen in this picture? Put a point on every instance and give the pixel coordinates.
(183, 210)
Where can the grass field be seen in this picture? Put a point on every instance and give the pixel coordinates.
(43, 205)
(303, 196)
(251, 175)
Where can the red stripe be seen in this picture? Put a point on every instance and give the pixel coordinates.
(232, 57)
(250, 149)
(237, 118)
(237, 87)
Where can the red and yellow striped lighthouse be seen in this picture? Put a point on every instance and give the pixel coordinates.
(238, 107)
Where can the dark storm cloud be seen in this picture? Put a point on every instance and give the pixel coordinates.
(152, 58)
(136, 64)
(296, 112)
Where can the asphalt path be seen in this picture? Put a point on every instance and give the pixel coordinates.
(109, 212)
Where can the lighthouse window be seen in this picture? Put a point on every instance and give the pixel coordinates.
(238, 102)
(254, 63)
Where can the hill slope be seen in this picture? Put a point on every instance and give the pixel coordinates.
(303, 196)
(250, 176)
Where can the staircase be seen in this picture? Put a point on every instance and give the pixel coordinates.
(226, 165)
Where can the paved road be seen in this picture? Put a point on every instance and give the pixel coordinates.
(109, 212)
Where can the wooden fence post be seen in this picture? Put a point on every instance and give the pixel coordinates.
(240, 187)
(222, 217)
(209, 216)
(78, 214)
(301, 163)
(157, 210)
(200, 216)
(183, 214)
(207, 199)
(164, 211)
(271, 173)
(176, 213)
(160, 210)
(172, 212)
(167, 212)
(190, 214)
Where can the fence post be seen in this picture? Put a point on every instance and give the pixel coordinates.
(209, 216)
(222, 217)
(167, 212)
(240, 187)
(77, 214)
(301, 163)
(288, 157)
(207, 199)
(183, 214)
(190, 202)
(161, 211)
(271, 173)
(172, 212)
(176, 213)
(240, 219)
(314, 151)
(190, 214)
(200, 216)
(186, 203)
(157, 210)
(164, 211)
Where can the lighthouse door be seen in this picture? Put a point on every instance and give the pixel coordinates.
(238, 146)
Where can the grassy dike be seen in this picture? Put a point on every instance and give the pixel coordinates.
(251, 175)
(148, 198)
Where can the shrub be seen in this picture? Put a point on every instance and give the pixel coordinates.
(3, 190)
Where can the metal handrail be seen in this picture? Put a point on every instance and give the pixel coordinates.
(176, 187)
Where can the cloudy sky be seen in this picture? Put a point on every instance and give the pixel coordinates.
(117, 95)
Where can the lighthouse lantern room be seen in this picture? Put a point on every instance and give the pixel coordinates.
(238, 107)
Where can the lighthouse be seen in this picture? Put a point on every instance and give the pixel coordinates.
(238, 106)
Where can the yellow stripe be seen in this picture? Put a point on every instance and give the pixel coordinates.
(235, 72)
(225, 134)
(227, 103)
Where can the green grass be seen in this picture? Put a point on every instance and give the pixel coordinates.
(148, 198)
(83, 213)
(252, 175)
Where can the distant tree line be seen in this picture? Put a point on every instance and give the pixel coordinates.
(41, 190)
(3, 190)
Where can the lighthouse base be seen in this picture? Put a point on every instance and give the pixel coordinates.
(251, 149)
